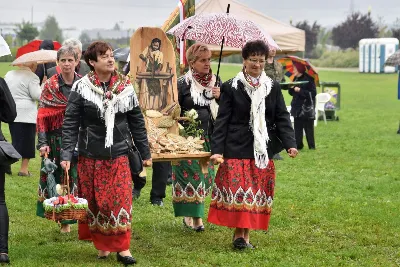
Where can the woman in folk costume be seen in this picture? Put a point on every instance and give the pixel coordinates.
(196, 90)
(53, 102)
(252, 116)
(103, 110)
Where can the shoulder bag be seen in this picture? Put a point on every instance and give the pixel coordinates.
(135, 159)
(307, 111)
(8, 154)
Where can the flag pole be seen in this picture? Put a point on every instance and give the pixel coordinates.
(220, 53)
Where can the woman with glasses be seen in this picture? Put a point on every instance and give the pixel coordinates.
(252, 116)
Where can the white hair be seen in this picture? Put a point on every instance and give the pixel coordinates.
(73, 42)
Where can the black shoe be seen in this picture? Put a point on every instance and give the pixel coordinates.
(102, 257)
(239, 243)
(200, 228)
(4, 258)
(277, 157)
(135, 193)
(398, 132)
(157, 202)
(126, 260)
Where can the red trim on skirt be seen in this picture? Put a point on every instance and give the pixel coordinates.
(107, 186)
(242, 195)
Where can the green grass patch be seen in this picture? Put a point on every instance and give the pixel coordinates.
(335, 206)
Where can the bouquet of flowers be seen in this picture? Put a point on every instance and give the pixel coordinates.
(191, 126)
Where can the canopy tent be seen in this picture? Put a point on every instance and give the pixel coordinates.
(289, 38)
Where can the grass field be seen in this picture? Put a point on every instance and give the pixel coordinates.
(335, 206)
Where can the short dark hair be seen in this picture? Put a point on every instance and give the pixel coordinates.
(255, 48)
(66, 50)
(94, 50)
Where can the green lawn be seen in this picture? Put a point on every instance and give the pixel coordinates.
(335, 206)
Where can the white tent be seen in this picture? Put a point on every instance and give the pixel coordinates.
(289, 38)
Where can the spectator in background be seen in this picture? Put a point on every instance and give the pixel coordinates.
(41, 70)
(81, 67)
(25, 89)
(300, 94)
(274, 70)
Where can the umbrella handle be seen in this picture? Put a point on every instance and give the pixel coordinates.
(220, 52)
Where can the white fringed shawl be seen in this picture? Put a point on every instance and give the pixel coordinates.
(122, 102)
(258, 123)
(196, 89)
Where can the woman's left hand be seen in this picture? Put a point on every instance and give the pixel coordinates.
(216, 92)
(148, 162)
(292, 152)
(297, 89)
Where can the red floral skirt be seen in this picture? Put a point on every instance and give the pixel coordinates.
(242, 195)
(107, 186)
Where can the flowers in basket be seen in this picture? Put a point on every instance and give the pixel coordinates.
(62, 203)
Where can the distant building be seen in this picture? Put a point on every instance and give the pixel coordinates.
(96, 34)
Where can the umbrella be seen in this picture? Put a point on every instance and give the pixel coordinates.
(39, 57)
(4, 48)
(287, 63)
(393, 60)
(122, 54)
(220, 29)
(49, 167)
(34, 46)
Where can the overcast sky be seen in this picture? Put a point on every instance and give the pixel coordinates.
(89, 14)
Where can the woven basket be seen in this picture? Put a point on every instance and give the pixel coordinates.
(78, 212)
(69, 214)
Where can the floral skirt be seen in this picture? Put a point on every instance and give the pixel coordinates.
(107, 186)
(55, 143)
(242, 195)
(190, 186)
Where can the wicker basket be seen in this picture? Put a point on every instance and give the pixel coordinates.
(69, 211)
(70, 214)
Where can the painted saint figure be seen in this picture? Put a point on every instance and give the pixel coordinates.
(153, 58)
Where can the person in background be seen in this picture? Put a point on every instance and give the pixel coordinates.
(81, 67)
(103, 116)
(244, 186)
(53, 102)
(41, 70)
(196, 90)
(25, 89)
(8, 113)
(274, 70)
(300, 94)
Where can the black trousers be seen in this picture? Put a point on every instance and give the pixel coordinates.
(308, 127)
(161, 171)
(4, 221)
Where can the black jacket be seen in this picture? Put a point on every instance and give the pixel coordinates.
(8, 110)
(303, 94)
(83, 116)
(232, 135)
(186, 103)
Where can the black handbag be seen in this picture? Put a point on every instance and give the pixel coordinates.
(307, 111)
(135, 159)
(8, 154)
(275, 144)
